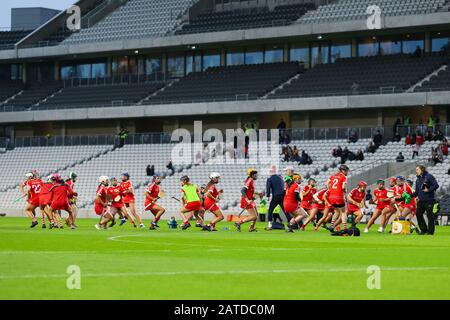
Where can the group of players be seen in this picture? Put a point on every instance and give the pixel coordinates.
(301, 205)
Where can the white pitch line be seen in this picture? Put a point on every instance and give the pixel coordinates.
(211, 272)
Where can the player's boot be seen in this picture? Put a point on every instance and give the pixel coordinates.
(152, 226)
(185, 226)
(141, 226)
(44, 226)
(122, 221)
(238, 226)
(112, 224)
(34, 224)
(366, 230)
(290, 228)
(206, 228)
(252, 230)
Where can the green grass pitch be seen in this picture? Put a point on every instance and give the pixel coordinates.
(125, 263)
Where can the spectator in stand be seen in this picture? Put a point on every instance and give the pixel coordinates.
(428, 135)
(286, 139)
(351, 156)
(150, 170)
(420, 139)
(448, 172)
(371, 148)
(408, 140)
(337, 152)
(353, 137)
(378, 138)
(344, 156)
(444, 148)
(355, 87)
(436, 156)
(281, 127)
(295, 154)
(397, 137)
(438, 135)
(397, 123)
(170, 167)
(413, 138)
(400, 157)
(416, 149)
(359, 155)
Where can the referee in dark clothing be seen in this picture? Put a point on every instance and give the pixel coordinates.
(274, 187)
(426, 186)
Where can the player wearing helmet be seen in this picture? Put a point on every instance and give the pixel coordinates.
(291, 202)
(45, 200)
(128, 197)
(61, 192)
(248, 201)
(212, 197)
(336, 185)
(31, 188)
(356, 200)
(152, 194)
(382, 202)
(192, 206)
(72, 178)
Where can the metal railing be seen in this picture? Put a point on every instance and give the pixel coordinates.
(295, 134)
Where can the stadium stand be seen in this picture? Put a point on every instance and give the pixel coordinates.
(246, 18)
(8, 89)
(229, 83)
(33, 95)
(9, 38)
(388, 74)
(439, 82)
(97, 96)
(46, 159)
(345, 10)
(135, 19)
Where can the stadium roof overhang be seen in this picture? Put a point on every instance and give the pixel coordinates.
(296, 32)
(330, 104)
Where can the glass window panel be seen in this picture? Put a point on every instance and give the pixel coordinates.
(368, 47)
(189, 63)
(388, 47)
(84, 71)
(212, 60)
(254, 57)
(235, 58)
(319, 54)
(440, 44)
(152, 65)
(132, 65)
(175, 66)
(300, 54)
(68, 72)
(413, 45)
(340, 51)
(273, 55)
(99, 70)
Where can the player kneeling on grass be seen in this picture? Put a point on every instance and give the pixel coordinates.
(192, 203)
(321, 205)
(45, 200)
(248, 201)
(291, 201)
(212, 197)
(382, 202)
(356, 201)
(152, 194)
(61, 192)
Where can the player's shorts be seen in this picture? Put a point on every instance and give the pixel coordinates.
(99, 210)
(210, 205)
(193, 206)
(117, 205)
(410, 206)
(148, 206)
(306, 205)
(290, 207)
(352, 210)
(34, 202)
(382, 206)
(129, 200)
(246, 205)
(60, 206)
(45, 201)
(337, 203)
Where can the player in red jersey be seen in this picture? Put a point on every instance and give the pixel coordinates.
(101, 196)
(45, 200)
(61, 192)
(115, 193)
(212, 197)
(248, 204)
(388, 213)
(336, 185)
(412, 208)
(356, 201)
(128, 197)
(402, 188)
(31, 188)
(322, 205)
(70, 181)
(307, 196)
(382, 202)
(291, 201)
(152, 194)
